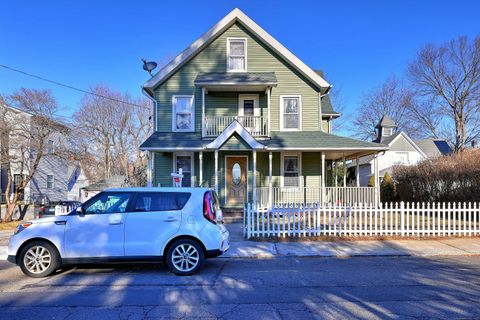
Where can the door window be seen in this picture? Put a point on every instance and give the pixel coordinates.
(161, 201)
(185, 163)
(108, 202)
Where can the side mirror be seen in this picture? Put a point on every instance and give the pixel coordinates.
(80, 211)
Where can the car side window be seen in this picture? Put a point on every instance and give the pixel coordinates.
(109, 203)
(161, 201)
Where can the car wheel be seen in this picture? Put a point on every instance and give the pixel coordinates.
(185, 257)
(39, 259)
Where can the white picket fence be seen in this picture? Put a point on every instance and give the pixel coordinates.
(360, 220)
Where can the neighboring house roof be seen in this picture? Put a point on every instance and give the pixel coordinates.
(386, 122)
(434, 147)
(116, 181)
(387, 139)
(236, 15)
(236, 78)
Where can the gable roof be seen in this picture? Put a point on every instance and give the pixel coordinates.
(235, 128)
(386, 122)
(434, 147)
(236, 15)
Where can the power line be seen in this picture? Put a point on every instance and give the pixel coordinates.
(69, 86)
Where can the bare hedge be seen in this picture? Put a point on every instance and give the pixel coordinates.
(446, 178)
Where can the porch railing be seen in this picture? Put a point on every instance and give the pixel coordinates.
(309, 195)
(256, 125)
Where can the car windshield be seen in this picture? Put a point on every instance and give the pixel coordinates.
(108, 203)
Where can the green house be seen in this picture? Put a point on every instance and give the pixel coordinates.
(238, 112)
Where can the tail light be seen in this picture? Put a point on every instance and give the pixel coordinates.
(208, 208)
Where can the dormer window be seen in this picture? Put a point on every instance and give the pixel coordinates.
(237, 54)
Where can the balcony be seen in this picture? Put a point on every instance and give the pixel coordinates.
(256, 125)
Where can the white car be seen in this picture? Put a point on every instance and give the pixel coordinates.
(181, 226)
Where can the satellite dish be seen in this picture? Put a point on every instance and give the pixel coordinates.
(149, 66)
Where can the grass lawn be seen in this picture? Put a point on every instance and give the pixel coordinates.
(7, 226)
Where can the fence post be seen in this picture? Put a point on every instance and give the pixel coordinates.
(244, 217)
(402, 218)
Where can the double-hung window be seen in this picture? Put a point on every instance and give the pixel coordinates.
(291, 109)
(183, 113)
(50, 181)
(291, 170)
(185, 162)
(237, 54)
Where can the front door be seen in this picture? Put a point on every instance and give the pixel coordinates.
(236, 180)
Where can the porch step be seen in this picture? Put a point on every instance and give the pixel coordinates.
(232, 215)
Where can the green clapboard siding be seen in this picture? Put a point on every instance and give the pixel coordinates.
(260, 59)
(163, 168)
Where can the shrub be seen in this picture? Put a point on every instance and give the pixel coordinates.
(445, 178)
(387, 189)
(371, 181)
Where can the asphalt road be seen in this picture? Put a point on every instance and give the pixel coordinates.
(281, 288)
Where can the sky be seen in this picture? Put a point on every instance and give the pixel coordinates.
(358, 44)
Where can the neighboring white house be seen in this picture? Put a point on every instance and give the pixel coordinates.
(402, 150)
(76, 181)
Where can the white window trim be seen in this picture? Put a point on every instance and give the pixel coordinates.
(192, 163)
(53, 181)
(246, 53)
(256, 103)
(282, 168)
(282, 97)
(174, 114)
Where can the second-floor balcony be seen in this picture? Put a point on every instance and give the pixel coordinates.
(215, 125)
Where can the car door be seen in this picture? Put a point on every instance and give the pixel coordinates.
(100, 231)
(155, 218)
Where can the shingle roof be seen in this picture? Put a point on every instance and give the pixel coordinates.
(434, 147)
(317, 140)
(386, 139)
(116, 181)
(236, 78)
(173, 140)
(386, 122)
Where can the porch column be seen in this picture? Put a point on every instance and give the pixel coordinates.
(216, 171)
(270, 182)
(357, 172)
(254, 177)
(268, 110)
(203, 112)
(149, 168)
(200, 168)
(344, 172)
(336, 174)
(377, 181)
(323, 183)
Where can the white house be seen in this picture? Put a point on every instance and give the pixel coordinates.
(402, 150)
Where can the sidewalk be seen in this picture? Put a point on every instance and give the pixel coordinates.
(241, 248)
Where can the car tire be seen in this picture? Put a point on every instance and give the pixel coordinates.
(39, 259)
(185, 257)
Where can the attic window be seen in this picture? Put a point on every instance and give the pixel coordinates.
(387, 132)
(237, 54)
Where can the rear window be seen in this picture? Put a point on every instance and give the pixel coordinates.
(161, 201)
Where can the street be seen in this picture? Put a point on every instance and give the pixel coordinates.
(279, 288)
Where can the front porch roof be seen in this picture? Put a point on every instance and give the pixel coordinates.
(335, 147)
(236, 81)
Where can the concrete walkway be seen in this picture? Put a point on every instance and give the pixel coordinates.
(241, 248)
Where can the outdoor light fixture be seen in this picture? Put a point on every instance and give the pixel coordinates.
(149, 66)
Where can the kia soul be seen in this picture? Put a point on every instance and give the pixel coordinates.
(181, 226)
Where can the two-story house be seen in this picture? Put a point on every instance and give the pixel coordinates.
(402, 150)
(49, 183)
(238, 112)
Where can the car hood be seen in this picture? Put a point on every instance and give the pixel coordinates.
(49, 219)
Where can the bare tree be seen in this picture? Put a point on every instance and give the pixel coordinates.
(392, 98)
(109, 132)
(24, 131)
(447, 79)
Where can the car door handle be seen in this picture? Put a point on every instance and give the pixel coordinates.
(115, 222)
(170, 219)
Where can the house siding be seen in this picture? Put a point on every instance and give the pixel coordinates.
(260, 59)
